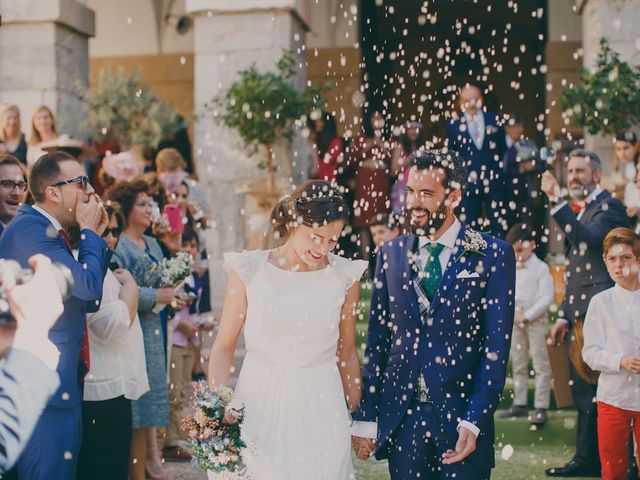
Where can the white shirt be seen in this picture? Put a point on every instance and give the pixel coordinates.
(448, 239)
(476, 122)
(534, 289)
(611, 331)
(118, 365)
(54, 221)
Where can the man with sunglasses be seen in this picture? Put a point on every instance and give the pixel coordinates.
(13, 188)
(63, 198)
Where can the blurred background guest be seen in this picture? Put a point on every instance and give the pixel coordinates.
(326, 148)
(12, 140)
(411, 140)
(43, 131)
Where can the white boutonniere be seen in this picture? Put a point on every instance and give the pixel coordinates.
(473, 242)
(490, 129)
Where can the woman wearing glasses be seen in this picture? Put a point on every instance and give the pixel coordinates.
(141, 254)
(118, 372)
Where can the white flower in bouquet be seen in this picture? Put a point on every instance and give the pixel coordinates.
(177, 269)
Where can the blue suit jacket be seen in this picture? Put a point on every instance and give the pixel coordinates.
(30, 233)
(461, 345)
(491, 153)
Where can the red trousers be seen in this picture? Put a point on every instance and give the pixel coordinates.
(614, 428)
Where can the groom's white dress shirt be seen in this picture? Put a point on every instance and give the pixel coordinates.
(448, 239)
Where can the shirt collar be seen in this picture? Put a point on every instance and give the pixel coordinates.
(478, 117)
(448, 238)
(48, 216)
(593, 195)
(508, 141)
(627, 294)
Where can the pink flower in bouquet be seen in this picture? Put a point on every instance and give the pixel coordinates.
(201, 418)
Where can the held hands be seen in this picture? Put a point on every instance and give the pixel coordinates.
(631, 363)
(363, 447)
(465, 446)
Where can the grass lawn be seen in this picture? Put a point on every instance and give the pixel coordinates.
(533, 450)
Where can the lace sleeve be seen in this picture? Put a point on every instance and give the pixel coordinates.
(349, 271)
(243, 263)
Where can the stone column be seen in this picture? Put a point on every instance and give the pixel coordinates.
(44, 52)
(230, 35)
(616, 20)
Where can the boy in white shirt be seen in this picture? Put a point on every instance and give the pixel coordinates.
(534, 295)
(612, 347)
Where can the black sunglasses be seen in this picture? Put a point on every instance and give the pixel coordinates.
(116, 231)
(83, 180)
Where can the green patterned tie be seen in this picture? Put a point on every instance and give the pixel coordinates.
(432, 269)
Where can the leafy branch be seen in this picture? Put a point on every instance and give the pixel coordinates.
(608, 99)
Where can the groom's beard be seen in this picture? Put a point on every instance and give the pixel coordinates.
(434, 222)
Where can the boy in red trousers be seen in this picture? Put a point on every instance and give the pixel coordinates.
(612, 347)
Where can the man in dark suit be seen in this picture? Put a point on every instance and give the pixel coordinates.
(585, 222)
(13, 189)
(475, 135)
(442, 311)
(63, 198)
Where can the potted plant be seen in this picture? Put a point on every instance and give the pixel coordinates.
(265, 107)
(608, 99)
(124, 111)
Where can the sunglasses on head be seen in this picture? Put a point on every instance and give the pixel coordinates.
(115, 231)
(83, 180)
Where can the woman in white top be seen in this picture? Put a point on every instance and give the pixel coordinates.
(117, 374)
(297, 305)
(43, 131)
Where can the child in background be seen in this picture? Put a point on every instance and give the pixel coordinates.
(534, 296)
(611, 339)
(384, 229)
(187, 325)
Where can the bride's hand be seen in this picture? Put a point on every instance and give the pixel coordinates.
(230, 417)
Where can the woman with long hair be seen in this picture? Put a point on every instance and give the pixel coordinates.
(43, 131)
(12, 140)
(327, 146)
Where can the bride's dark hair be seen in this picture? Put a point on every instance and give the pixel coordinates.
(313, 203)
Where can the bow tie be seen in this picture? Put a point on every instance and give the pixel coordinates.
(577, 207)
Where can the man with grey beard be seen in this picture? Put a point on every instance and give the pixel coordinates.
(585, 222)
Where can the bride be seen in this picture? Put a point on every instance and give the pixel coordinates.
(297, 304)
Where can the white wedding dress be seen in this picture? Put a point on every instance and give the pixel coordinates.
(296, 415)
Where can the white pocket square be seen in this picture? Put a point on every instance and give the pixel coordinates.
(465, 274)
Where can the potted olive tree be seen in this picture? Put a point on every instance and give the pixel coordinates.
(124, 111)
(265, 108)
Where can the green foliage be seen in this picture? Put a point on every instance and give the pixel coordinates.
(608, 101)
(124, 110)
(264, 107)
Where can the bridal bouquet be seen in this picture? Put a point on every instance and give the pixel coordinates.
(173, 272)
(216, 444)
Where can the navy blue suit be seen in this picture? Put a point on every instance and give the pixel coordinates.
(52, 451)
(485, 189)
(461, 344)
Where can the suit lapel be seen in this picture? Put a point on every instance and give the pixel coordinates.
(410, 269)
(449, 274)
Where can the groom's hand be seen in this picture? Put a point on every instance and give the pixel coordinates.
(465, 447)
(362, 446)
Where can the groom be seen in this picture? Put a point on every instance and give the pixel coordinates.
(439, 333)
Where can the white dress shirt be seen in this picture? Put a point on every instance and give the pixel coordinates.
(612, 331)
(534, 289)
(54, 221)
(118, 366)
(475, 127)
(448, 239)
